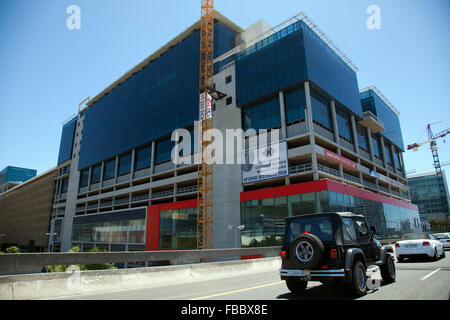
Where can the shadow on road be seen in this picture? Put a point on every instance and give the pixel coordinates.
(325, 292)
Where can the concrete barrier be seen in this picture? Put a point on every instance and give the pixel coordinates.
(52, 285)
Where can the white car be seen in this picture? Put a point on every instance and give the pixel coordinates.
(418, 244)
(444, 238)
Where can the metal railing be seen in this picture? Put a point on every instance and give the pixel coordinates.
(300, 168)
(9, 263)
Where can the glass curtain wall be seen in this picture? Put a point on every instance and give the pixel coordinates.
(264, 218)
(178, 229)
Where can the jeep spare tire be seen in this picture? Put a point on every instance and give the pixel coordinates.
(307, 251)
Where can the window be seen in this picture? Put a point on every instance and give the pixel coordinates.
(349, 229)
(96, 172)
(263, 115)
(344, 125)
(164, 151)
(362, 137)
(376, 144)
(361, 226)
(109, 171)
(387, 151)
(321, 110)
(125, 164)
(229, 100)
(228, 79)
(143, 158)
(84, 178)
(295, 105)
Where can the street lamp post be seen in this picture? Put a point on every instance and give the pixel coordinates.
(240, 228)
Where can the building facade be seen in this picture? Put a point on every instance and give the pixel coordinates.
(25, 213)
(117, 187)
(425, 193)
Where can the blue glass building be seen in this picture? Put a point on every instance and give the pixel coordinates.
(16, 174)
(120, 180)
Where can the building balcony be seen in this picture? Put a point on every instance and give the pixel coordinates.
(371, 121)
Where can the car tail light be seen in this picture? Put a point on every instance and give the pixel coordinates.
(425, 243)
(324, 268)
(283, 255)
(306, 232)
(397, 245)
(448, 240)
(333, 254)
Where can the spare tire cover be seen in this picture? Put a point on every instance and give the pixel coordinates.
(307, 251)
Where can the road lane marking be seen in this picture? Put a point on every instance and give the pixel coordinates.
(430, 274)
(236, 291)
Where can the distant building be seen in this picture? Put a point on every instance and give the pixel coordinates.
(424, 191)
(13, 176)
(25, 213)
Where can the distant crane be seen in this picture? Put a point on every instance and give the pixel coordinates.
(437, 164)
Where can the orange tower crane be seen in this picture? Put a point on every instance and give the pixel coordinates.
(205, 196)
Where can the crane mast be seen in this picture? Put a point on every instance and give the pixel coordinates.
(436, 162)
(205, 168)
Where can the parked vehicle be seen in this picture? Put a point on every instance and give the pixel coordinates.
(444, 238)
(332, 246)
(419, 244)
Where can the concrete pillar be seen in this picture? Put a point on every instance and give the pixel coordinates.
(116, 171)
(89, 178)
(152, 162)
(335, 123)
(133, 159)
(369, 137)
(283, 116)
(383, 152)
(312, 140)
(101, 175)
(393, 158)
(309, 116)
(355, 135)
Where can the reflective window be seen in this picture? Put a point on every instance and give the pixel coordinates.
(143, 157)
(349, 229)
(362, 137)
(321, 110)
(376, 144)
(295, 105)
(362, 228)
(95, 174)
(109, 170)
(125, 164)
(263, 115)
(344, 124)
(84, 178)
(164, 151)
(178, 229)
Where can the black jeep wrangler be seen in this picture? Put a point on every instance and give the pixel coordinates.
(332, 247)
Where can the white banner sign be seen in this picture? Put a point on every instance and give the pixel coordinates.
(266, 162)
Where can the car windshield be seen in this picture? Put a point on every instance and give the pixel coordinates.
(318, 226)
(416, 236)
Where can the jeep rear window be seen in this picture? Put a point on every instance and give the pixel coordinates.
(318, 226)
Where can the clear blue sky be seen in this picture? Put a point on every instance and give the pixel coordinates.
(46, 70)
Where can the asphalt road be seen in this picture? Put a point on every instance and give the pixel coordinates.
(416, 280)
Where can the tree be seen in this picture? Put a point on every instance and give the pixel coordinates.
(13, 249)
(83, 267)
